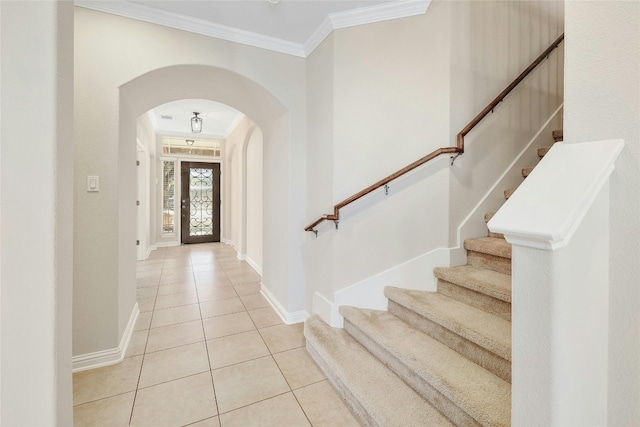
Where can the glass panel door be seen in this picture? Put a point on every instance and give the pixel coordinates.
(200, 202)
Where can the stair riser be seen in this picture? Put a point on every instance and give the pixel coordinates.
(491, 262)
(339, 386)
(476, 299)
(496, 235)
(423, 388)
(479, 355)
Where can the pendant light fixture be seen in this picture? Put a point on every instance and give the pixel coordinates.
(189, 141)
(196, 123)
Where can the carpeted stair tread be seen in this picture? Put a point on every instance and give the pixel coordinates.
(488, 282)
(474, 390)
(487, 218)
(490, 246)
(526, 171)
(508, 193)
(543, 151)
(484, 329)
(557, 135)
(386, 399)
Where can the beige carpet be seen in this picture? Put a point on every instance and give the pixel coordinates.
(434, 358)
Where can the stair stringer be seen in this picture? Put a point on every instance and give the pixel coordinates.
(417, 274)
(473, 224)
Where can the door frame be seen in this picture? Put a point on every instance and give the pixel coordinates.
(185, 202)
(143, 214)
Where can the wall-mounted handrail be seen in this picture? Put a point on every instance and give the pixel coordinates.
(457, 150)
(489, 108)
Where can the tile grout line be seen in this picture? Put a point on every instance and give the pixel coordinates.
(281, 373)
(144, 352)
(204, 334)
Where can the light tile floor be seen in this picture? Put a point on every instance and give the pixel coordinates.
(207, 350)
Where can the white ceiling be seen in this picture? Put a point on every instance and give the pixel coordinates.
(290, 20)
(218, 120)
(293, 27)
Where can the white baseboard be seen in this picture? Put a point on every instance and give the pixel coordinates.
(254, 265)
(287, 317)
(327, 310)
(108, 357)
(167, 244)
(473, 224)
(417, 273)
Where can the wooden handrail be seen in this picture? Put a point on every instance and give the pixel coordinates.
(458, 149)
(489, 108)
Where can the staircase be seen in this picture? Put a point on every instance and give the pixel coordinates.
(434, 358)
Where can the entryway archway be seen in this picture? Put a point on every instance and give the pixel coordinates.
(200, 82)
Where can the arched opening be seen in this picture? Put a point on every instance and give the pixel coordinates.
(204, 82)
(252, 171)
(165, 133)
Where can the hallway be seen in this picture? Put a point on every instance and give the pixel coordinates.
(207, 350)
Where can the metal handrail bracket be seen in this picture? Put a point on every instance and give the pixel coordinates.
(455, 152)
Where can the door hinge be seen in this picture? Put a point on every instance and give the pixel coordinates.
(137, 162)
(137, 242)
(137, 202)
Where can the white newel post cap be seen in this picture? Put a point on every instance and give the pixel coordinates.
(546, 209)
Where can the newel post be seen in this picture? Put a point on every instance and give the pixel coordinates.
(558, 224)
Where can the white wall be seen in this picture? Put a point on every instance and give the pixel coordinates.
(602, 101)
(492, 43)
(236, 186)
(128, 66)
(398, 90)
(319, 164)
(36, 209)
(254, 198)
(378, 100)
(147, 136)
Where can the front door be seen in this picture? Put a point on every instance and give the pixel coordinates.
(200, 202)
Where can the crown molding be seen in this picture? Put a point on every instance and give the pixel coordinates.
(192, 25)
(318, 36)
(378, 13)
(351, 18)
(362, 16)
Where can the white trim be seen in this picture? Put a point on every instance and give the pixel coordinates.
(351, 18)
(232, 244)
(167, 244)
(362, 16)
(547, 208)
(499, 182)
(253, 265)
(108, 357)
(193, 25)
(287, 317)
(327, 310)
(378, 13)
(318, 36)
(416, 273)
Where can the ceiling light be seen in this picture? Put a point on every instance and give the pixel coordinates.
(189, 141)
(196, 123)
(274, 1)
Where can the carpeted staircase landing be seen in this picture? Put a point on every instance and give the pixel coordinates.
(434, 358)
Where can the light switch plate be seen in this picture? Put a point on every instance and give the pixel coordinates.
(93, 183)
